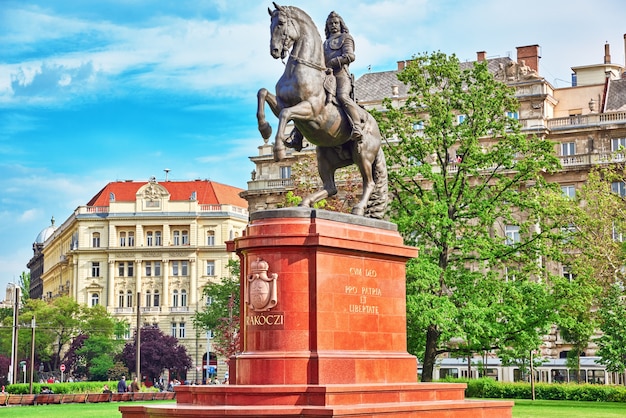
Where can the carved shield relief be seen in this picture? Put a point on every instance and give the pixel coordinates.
(261, 294)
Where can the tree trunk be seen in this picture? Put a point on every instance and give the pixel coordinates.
(430, 354)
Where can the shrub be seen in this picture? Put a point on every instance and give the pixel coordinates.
(489, 388)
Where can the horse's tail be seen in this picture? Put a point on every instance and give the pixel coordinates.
(377, 203)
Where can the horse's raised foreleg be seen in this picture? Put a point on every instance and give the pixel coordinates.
(327, 163)
(264, 96)
(301, 111)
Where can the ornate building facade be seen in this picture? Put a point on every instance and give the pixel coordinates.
(149, 246)
(587, 123)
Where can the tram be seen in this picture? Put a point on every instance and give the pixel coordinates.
(550, 371)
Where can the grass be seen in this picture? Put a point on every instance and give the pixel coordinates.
(88, 410)
(523, 409)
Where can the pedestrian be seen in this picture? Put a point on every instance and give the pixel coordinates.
(121, 385)
(134, 387)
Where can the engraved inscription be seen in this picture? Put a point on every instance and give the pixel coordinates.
(266, 321)
(363, 292)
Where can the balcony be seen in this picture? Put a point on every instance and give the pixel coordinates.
(179, 309)
(150, 309)
(223, 208)
(590, 120)
(585, 160)
(270, 184)
(123, 310)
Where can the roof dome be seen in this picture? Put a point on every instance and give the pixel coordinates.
(46, 233)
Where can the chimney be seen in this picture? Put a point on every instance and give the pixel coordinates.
(530, 54)
(401, 64)
(480, 55)
(607, 53)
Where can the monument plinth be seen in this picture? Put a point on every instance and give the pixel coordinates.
(323, 323)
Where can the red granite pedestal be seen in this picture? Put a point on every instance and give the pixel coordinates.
(323, 328)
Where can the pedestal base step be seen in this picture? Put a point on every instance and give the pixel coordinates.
(440, 400)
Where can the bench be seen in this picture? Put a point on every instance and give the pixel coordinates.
(98, 397)
(15, 399)
(122, 397)
(143, 396)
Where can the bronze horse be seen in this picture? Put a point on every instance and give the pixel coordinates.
(302, 98)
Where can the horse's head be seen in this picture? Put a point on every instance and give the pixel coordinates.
(283, 31)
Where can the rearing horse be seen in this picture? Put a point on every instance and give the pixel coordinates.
(301, 98)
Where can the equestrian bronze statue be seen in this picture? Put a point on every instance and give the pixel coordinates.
(312, 95)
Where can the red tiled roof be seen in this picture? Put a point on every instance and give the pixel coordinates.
(207, 192)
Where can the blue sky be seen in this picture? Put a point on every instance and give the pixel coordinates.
(93, 92)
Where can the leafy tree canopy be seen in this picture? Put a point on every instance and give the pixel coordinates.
(469, 191)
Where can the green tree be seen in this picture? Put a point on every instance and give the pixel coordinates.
(612, 315)
(97, 356)
(221, 315)
(24, 284)
(463, 177)
(595, 264)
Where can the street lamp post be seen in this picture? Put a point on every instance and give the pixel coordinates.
(138, 342)
(14, 365)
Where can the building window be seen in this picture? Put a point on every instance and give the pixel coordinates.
(569, 191)
(184, 267)
(567, 273)
(509, 274)
(148, 299)
(95, 240)
(210, 268)
(461, 118)
(131, 269)
(131, 239)
(285, 172)
(183, 297)
(148, 268)
(174, 268)
(120, 300)
(513, 115)
(210, 238)
(157, 268)
(129, 299)
(619, 187)
(122, 239)
(175, 298)
(617, 234)
(618, 144)
(149, 239)
(95, 299)
(181, 330)
(157, 299)
(512, 234)
(185, 237)
(181, 237)
(157, 238)
(174, 329)
(95, 269)
(568, 148)
(120, 269)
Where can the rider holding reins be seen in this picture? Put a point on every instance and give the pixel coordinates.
(338, 54)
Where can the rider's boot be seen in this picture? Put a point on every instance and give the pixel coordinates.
(353, 115)
(295, 140)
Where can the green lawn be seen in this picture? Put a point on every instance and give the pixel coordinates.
(522, 409)
(525, 408)
(90, 410)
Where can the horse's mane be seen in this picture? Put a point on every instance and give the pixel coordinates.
(293, 12)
